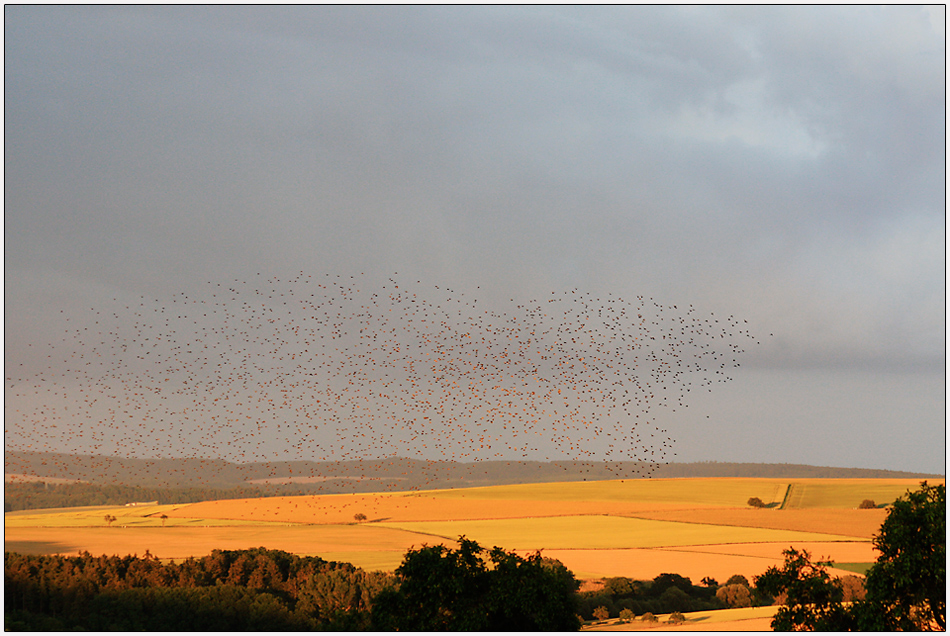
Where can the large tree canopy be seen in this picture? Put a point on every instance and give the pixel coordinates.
(465, 589)
(906, 587)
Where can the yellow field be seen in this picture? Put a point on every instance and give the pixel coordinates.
(743, 619)
(600, 532)
(847, 493)
(635, 528)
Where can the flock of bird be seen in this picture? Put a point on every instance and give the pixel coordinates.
(336, 367)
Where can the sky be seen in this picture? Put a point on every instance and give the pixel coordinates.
(782, 165)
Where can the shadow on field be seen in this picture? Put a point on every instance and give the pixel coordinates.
(38, 547)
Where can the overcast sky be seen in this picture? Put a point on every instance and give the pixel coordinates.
(785, 165)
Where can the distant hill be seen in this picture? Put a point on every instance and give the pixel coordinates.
(379, 475)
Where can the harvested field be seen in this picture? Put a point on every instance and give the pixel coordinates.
(635, 528)
(850, 523)
(599, 532)
(184, 542)
(333, 509)
(726, 491)
(848, 493)
(646, 563)
(125, 516)
(744, 619)
(842, 551)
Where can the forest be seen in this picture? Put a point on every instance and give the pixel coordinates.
(261, 589)
(257, 589)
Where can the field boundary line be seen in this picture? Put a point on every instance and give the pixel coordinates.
(788, 491)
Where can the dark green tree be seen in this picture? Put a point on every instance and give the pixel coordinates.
(441, 589)
(813, 598)
(906, 587)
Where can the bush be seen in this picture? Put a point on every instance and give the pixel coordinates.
(867, 504)
(755, 502)
(601, 613)
(589, 601)
(738, 579)
(626, 615)
(853, 588)
(735, 595)
(648, 618)
(677, 617)
(620, 586)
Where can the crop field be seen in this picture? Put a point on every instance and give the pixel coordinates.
(739, 619)
(842, 521)
(635, 528)
(845, 493)
(603, 532)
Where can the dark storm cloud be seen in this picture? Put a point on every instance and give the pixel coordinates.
(783, 164)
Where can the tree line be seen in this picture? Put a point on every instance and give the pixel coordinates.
(257, 589)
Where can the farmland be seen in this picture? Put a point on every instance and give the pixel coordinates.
(633, 528)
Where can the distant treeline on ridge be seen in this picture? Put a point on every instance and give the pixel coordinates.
(36, 479)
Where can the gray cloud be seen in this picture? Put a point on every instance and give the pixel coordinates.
(783, 164)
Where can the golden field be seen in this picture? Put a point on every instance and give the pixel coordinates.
(743, 619)
(635, 528)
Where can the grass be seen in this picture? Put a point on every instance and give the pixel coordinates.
(857, 568)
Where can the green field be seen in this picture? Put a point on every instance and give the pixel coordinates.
(857, 568)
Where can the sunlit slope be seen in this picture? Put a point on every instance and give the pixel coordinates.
(703, 492)
(626, 497)
(847, 493)
(600, 532)
(636, 528)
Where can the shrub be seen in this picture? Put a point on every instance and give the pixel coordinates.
(626, 615)
(853, 588)
(677, 617)
(755, 502)
(867, 504)
(738, 579)
(601, 613)
(648, 618)
(735, 595)
(620, 586)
